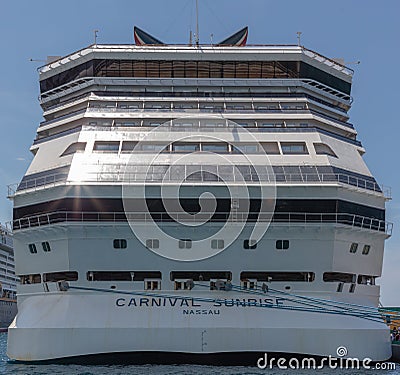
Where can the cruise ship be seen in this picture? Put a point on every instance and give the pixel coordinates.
(191, 203)
(8, 280)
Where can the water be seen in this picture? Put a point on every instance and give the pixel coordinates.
(8, 367)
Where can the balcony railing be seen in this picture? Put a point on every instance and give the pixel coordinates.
(190, 174)
(289, 218)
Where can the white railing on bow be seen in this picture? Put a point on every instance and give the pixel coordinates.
(353, 220)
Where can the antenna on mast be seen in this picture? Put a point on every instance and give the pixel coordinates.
(299, 38)
(197, 23)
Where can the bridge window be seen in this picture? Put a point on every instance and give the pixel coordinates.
(73, 148)
(103, 146)
(295, 148)
(324, 149)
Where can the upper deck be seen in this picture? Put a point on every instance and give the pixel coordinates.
(204, 61)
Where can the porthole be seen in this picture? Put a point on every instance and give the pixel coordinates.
(366, 249)
(217, 244)
(152, 243)
(46, 247)
(32, 248)
(185, 244)
(353, 247)
(120, 244)
(282, 244)
(250, 244)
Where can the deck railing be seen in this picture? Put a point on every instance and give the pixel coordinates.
(289, 218)
(177, 173)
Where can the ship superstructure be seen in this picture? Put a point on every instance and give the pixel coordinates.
(8, 280)
(105, 270)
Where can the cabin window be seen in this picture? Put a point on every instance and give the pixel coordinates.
(248, 284)
(46, 246)
(31, 279)
(152, 284)
(183, 284)
(152, 243)
(353, 247)
(60, 276)
(295, 148)
(153, 147)
(217, 244)
(282, 244)
(103, 146)
(32, 248)
(366, 280)
(130, 123)
(366, 249)
(120, 244)
(245, 149)
(215, 147)
(185, 244)
(186, 147)
(323, 149)
(128, 146)
(73, 148)
(339, 277)
(271, 148)
(352, 288)
(250, 244)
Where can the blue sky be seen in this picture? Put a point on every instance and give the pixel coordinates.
(362, 30)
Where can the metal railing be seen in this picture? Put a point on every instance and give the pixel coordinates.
(217, 110)
(189, 174)
(353, 220)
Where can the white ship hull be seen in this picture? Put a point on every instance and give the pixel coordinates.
(91, 324)
(159, 169)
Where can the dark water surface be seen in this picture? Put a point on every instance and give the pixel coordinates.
(8, 367)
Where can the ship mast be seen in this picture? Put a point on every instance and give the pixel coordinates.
(197, 23)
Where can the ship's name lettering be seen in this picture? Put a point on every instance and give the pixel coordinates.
(191, 302)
